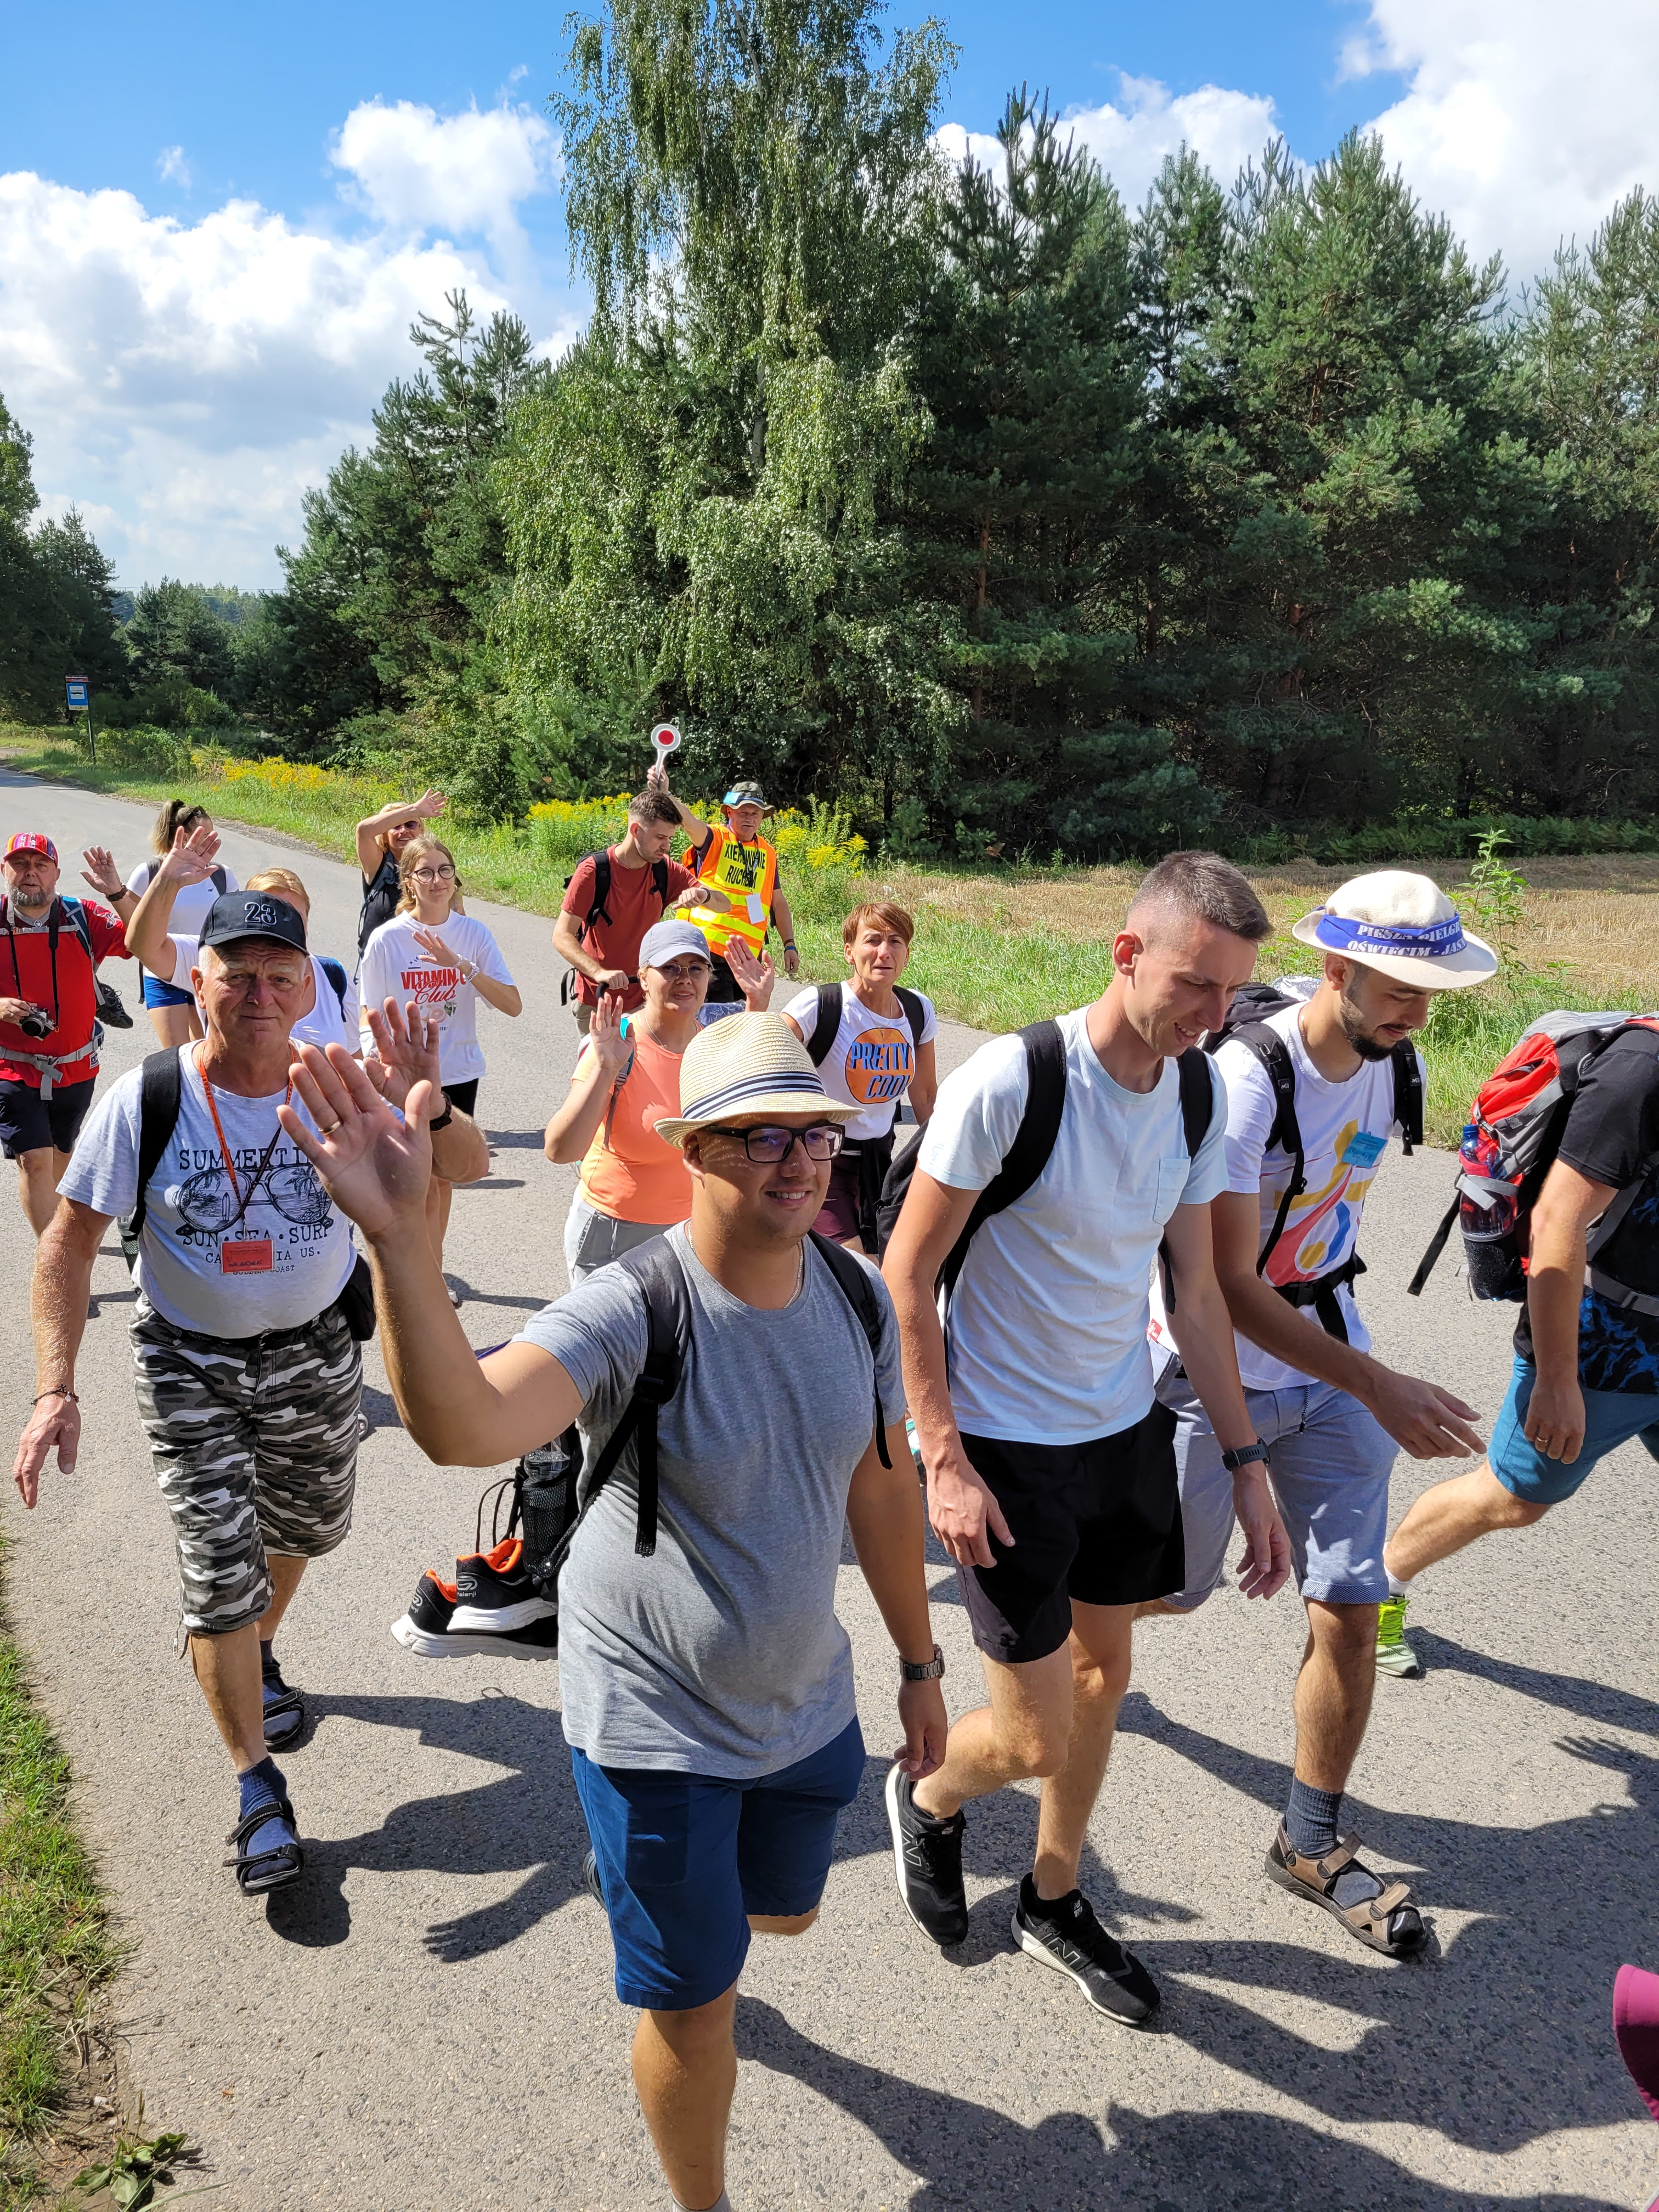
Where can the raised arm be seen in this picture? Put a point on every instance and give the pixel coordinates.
(405, 1053)
(104, 878)
(573, 1128)
(504, 997)
(63, 1284)
(695, 827)
(374, 826)
(191, 860)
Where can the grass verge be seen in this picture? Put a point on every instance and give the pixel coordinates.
(995, 947)
(56, 1951)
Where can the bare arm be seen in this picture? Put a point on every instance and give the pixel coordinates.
(406, 1053)
(101, 873)
(570, 949)
(504, 997)
(1426, 1421)
(924, 1083)
(461, 1411)
(884, 1520)
(1203, 1331)
(63, 1283)
(1566, 1207)
(573, 1128)
(786, 927)
(370, 851)
(963, 1513)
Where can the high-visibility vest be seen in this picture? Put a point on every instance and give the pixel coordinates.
(748, 874)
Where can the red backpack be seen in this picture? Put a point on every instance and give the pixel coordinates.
(1513, 1133)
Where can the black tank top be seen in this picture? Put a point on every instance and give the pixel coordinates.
(380, 896)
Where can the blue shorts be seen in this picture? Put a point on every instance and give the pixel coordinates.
(1612, 1417)
(683, 1859)
(1329, 1463)
(158, 993)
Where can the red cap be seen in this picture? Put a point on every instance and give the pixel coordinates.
(32, 840)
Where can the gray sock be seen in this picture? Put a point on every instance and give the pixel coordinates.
(721, 2204)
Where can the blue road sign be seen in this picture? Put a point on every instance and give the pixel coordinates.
(76, 691)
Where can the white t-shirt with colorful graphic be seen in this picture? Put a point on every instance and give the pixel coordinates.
(291, 1249)
(872, 1061)
(395, 966)
(1345, 1127)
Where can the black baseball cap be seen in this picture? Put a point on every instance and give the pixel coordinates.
(253, 914)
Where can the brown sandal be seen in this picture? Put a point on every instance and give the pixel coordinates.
(1372, 1919)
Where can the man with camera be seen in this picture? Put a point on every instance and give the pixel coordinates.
(49, 1034)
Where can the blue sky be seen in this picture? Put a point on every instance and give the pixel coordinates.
(216, 224)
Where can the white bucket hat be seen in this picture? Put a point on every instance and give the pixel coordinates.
(1402, 924)
(749, 1064)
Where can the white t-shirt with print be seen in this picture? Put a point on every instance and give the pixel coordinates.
(326, 1022)
(190, 904)
(872, 1061)
(1345, 1127)
(192, 1208)
(1046, 1331)
(394, 966)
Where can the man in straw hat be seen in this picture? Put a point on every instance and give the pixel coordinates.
(1285, 1231)
(708, 1689)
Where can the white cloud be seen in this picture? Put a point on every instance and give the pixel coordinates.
(1522, 126)
(414, 169)
(187, 381)
(174, 168)
(1131, 140)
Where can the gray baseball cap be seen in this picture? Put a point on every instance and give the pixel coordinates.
(673, 940)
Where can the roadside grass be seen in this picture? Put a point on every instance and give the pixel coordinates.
(56, 1950)
(996, 947)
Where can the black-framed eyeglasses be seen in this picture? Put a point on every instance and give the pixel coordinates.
(768, 1147)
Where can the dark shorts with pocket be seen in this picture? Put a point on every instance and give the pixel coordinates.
(30, 1123)
(1098, 1523)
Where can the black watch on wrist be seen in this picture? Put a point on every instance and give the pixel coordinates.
(1246, 1455)
(446, 1117)
(929, 1671)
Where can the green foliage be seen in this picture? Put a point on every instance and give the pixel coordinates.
(133, 2169)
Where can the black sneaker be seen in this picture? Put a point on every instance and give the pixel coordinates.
(927, 1860)
(591, 1879)
(436, 1626)
(1066, 1936)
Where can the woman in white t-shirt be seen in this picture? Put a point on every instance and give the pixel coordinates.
(171, 1007)
(877, 1046)
(446, 961)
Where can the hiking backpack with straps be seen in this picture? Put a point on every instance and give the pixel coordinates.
(1247, 1024)
(1034, 1142)
(598, 906)
(1510, 1142)
(826, 1022)
(70, 911)
(545, 1490)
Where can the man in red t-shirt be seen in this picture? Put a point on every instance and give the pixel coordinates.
(48, 1013)
(644, 885)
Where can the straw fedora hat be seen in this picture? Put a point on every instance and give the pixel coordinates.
(748, 1064)
(1402, 924)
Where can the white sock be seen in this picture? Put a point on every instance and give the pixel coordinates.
(722, 2203)
(1397, 1587)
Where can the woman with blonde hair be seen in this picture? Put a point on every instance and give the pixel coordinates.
(445, 961)
(171, 1006)
(381, 839)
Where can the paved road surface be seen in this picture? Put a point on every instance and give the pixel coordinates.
(425, 2024)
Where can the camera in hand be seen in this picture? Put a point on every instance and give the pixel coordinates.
(35, 1024)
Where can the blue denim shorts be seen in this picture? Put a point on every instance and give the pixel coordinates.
(1612, 1417)
(683, 1859)
(158, 993)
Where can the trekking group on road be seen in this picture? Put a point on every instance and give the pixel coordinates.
(1113, 1283)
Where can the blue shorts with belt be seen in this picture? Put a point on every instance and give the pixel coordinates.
(1612, 1417)
(684, 1860)
(158, 993)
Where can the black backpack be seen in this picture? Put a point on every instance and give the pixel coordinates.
(544, 1488)
(1034, 1141)
(160, 1097)
(598, 905)
(827, 1021)
(1247, 1020)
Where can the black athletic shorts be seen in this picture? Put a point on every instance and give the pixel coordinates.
(29, 1123)
(722, 984)
(464, 1098)
(1097, 1522)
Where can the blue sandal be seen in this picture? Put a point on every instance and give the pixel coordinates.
(259, 1871)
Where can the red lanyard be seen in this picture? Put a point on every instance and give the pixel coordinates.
(224, 1148)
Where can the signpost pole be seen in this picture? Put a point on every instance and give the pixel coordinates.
(77, 697)
(92, 734)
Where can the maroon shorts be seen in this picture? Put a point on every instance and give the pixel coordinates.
(839, 1216)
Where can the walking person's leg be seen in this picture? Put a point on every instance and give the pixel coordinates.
(1098, 1652)
(38, 1173)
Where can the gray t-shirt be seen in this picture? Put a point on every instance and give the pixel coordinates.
(722, 1654)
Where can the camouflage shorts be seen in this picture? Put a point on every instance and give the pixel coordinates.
(255, 1447)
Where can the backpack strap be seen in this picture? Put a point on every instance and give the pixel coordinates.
(659, 882)
(1034, 1140)
(1197, 1111)
(221, 882)
(1408, 1095)
(337, 975)
(75, 914)
(860, 1294)
(160, 1097)
(1274, 1054)
(825, 1023)
(915, 1012)
(599, 904)
(656, 1268)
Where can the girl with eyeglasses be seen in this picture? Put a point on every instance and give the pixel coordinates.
(446, 962)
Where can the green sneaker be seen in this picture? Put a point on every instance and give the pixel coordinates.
(1394, 1655)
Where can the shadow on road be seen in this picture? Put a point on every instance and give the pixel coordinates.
(1590, 1701)
(974, 2158)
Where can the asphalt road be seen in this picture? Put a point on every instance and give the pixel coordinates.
(426, 2023)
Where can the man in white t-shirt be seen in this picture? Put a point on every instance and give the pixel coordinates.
(248, 1371)
(1301, 1158)
(1051, 1474)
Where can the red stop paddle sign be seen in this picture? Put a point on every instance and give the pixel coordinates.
(667, 736)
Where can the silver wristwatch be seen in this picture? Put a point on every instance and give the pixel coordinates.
(928, 1672)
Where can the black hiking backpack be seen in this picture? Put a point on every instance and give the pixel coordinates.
(826, 1022)
(599, 905)
(1247, 1022)
(545, 1481)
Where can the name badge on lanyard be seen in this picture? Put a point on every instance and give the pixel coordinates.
(245, 1255)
